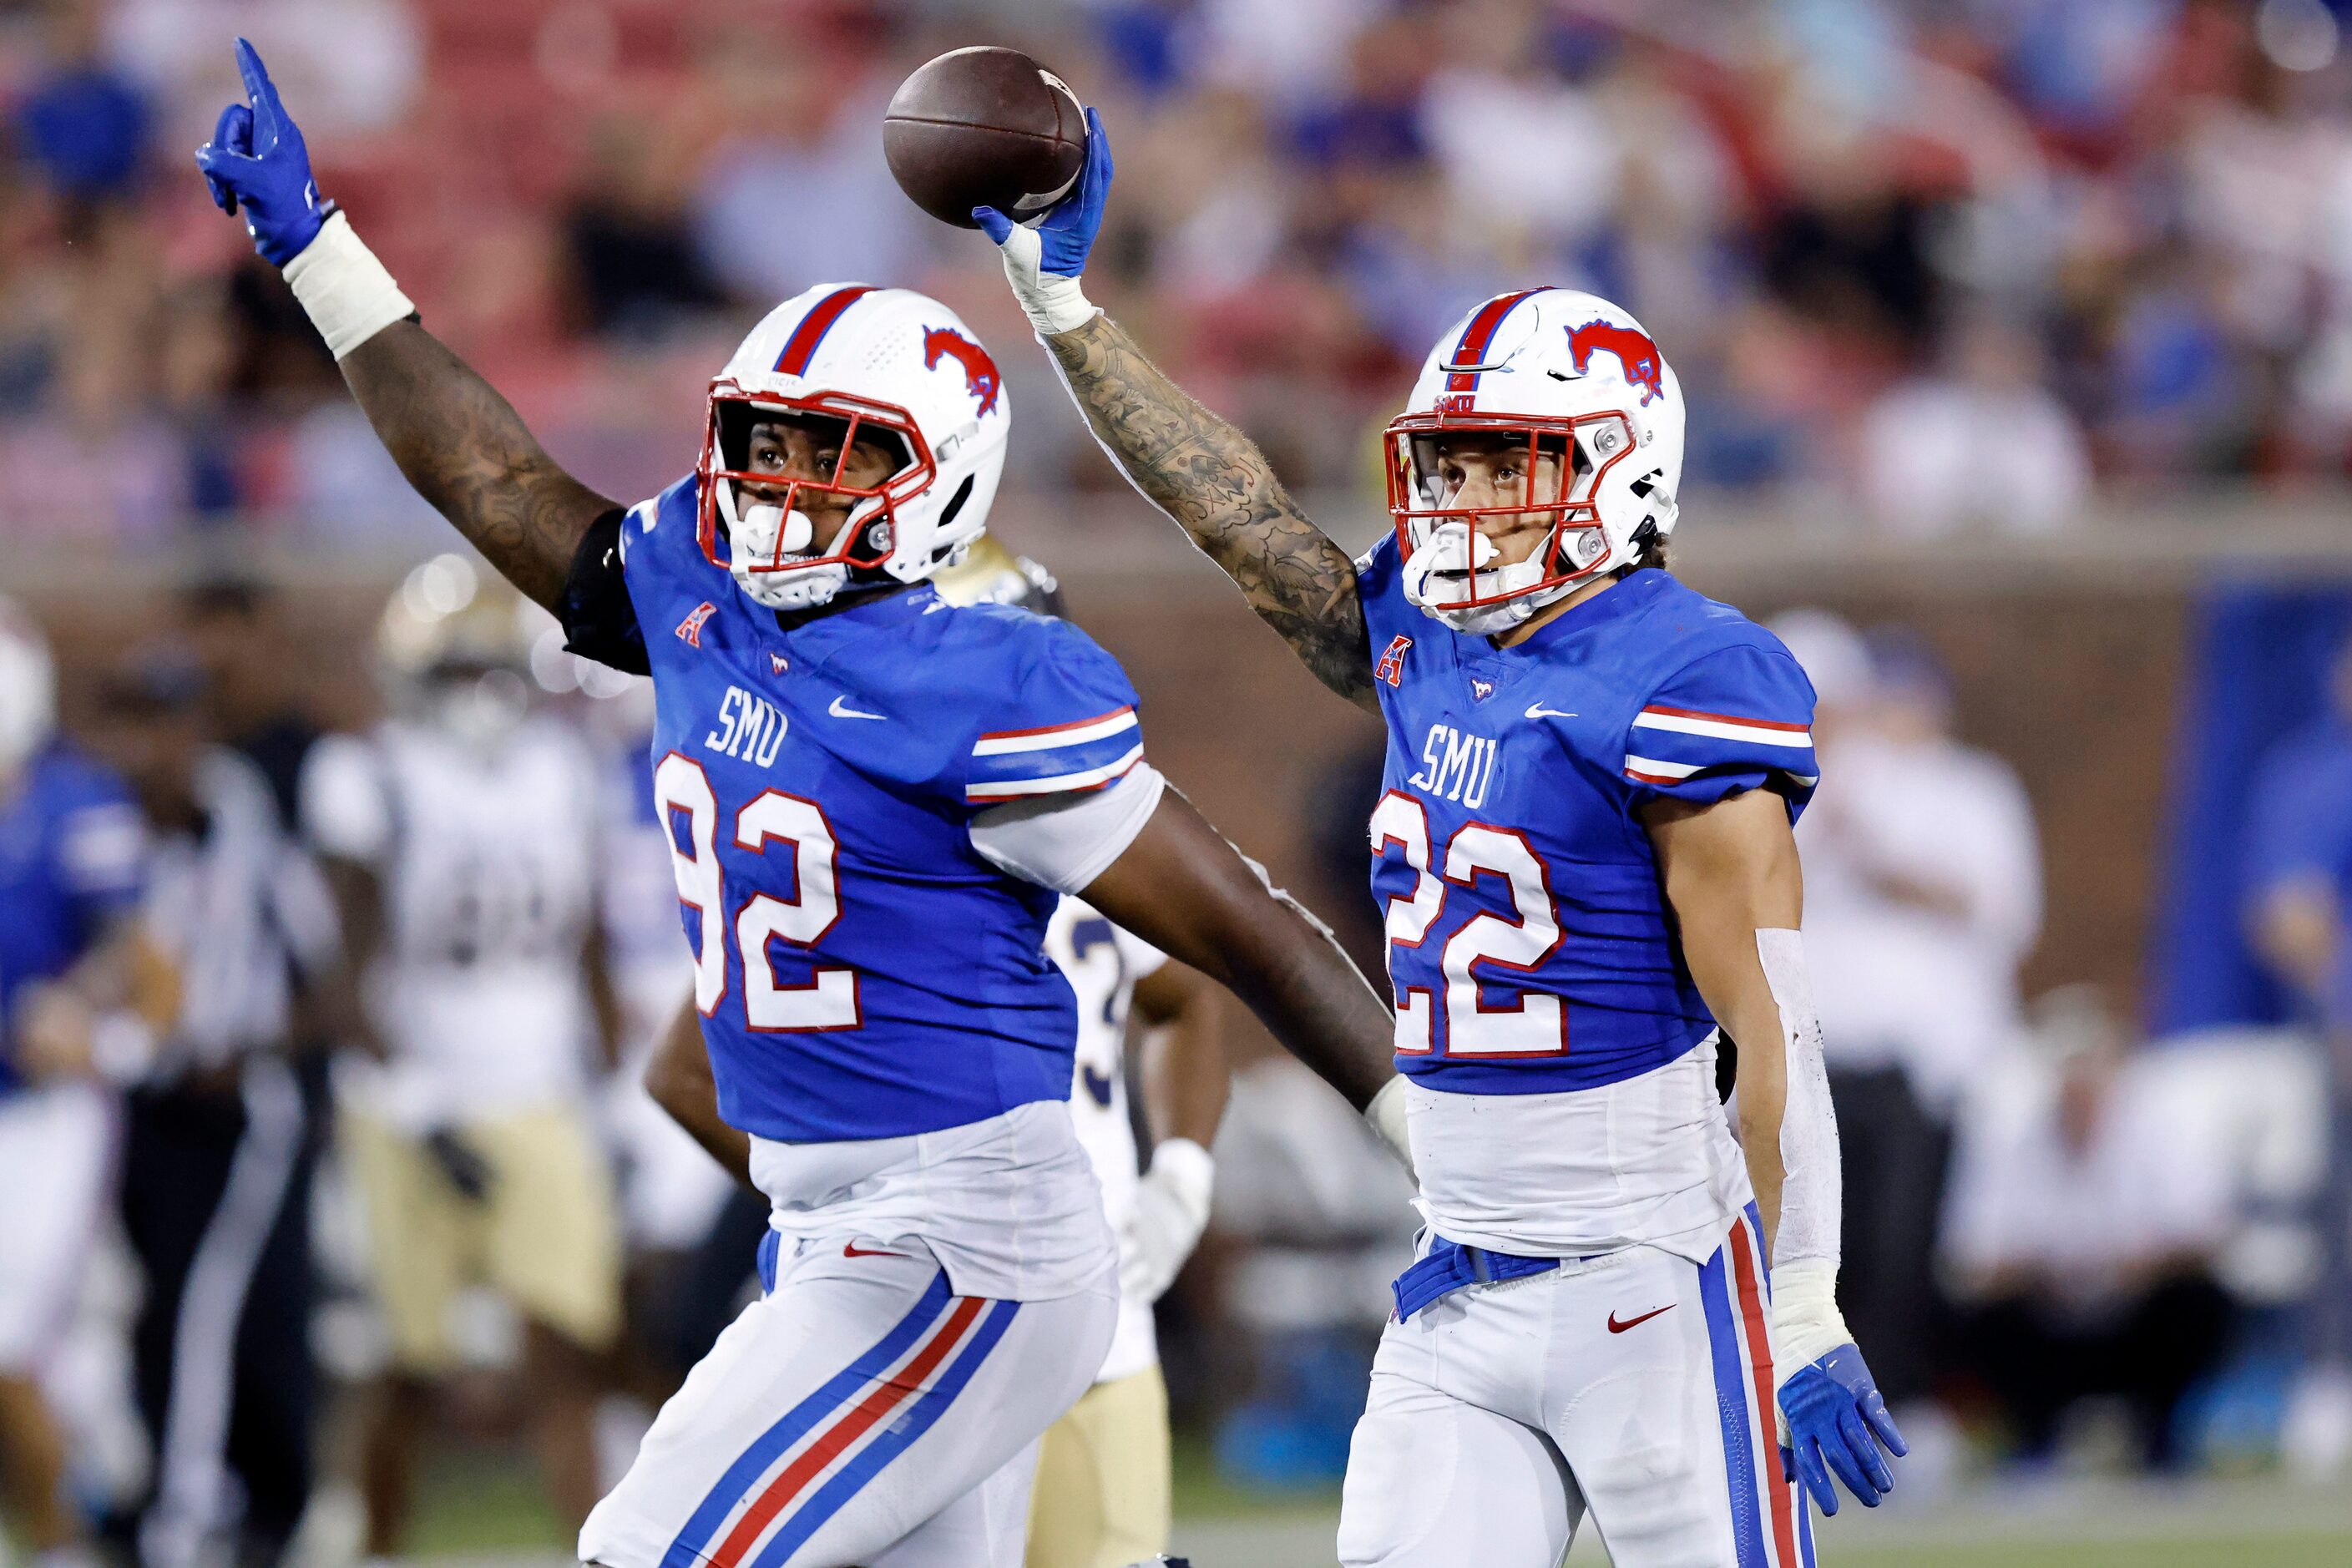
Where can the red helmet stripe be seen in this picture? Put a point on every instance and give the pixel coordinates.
(1472, 349)
(802, 348)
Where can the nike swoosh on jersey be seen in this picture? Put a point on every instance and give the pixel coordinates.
(1538, 711)
(838, 712)
(850, 1249)
(1617, 1328)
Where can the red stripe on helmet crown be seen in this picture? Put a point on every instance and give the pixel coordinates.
(1472, 349)
(801, 347)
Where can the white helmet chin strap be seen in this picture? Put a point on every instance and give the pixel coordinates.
(1459, 551)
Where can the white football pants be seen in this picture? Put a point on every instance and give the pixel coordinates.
(858, 1414)
(57, 1167)
(1638, 1385)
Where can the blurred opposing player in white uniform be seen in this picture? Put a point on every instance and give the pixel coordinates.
(70, 853)
(874, 797)
(460, 834)
(1103, 1478)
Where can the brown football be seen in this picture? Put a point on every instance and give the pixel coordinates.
(984, 127)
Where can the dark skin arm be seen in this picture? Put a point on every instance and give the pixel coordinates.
(1214, 481)
(604, 997)
(1730, 869)
(359, 906)
(1186, 1078)
(678, 1078)
(1187, 891)
(465, 450)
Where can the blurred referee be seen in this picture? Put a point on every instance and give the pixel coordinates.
(223, 1135)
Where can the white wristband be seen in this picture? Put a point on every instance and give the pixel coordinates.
(349, 295)
(1051, 303)
(1387, 1115)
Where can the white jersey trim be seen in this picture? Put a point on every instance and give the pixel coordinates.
(1065, 841)
(1751, 732)
(1012, 741)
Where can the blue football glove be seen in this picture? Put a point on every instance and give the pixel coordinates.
(1043, 263)
(1836, 1421)
(256, 160)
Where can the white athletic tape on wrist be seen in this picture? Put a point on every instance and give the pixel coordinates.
(1051, 303)
(349, 295)
(1387, 1115)
(1811, 1183)
(1806, 1324)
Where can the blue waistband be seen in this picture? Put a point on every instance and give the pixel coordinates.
(1449, 1266)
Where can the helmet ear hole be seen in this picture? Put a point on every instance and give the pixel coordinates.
(955, 501)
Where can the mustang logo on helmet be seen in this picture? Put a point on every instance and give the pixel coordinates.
(980, 377)
(1634, 350)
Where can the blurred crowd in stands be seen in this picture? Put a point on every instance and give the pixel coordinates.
(1939, 266)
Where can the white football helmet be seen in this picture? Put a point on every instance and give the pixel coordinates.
(453, 650)
(28, 690)
(887, 360)
(1569, 374)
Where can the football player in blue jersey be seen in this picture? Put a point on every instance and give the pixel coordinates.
(1584, 858)
(874, 799)
(70, 847)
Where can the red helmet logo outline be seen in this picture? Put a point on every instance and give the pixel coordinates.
(1635, 351)
(980, 377)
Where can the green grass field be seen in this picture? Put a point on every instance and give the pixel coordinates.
(482, 1507)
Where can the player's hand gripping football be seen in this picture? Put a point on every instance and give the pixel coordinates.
(1836, 1420)
(257, 161)
(1043, 263)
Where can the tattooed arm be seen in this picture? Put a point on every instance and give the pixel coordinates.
(1211, 478)
(467, 452)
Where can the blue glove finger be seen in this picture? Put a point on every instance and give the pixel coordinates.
(257, 85)
(994, 223)
(225, 173)
(1863, 1450)
(1837, 1452)
(233, 131)
(1874, 1410)
(1815, 1478)
(1096, 184)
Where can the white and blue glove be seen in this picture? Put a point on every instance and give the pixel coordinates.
(1042, 262)
(257, 161)
(1833, 1416)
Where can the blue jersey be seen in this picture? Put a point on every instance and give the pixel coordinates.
(1528, 939)
(862, 970)
(70, 847)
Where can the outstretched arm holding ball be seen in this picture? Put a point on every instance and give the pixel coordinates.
(1189, 463)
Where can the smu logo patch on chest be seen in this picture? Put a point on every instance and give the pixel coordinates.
(1456, 767)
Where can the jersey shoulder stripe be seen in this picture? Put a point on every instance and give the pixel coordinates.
(1724, 726)
(1053, 737)
(1081, 781)
(1055, 759)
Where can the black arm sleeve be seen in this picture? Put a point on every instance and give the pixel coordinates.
(599, 621)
